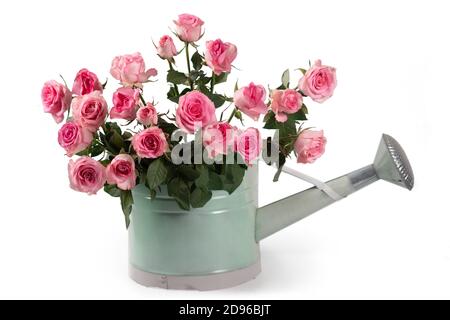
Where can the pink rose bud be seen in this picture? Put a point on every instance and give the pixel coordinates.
(130, 69)
(219, 55)
(250, 100)
(319, 82)
(86, 175)
(285, 102)
(121, 171)
(150, 143)
(188, 27)
(166, 48)
(147, 115)
(248, 144)
(217, 138)
(73, 138)
(309, 146)
(90, 110)
(125, 102)
(195, 109)
(55, 99)
(86, 82)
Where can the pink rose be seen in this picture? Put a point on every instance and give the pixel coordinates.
(121, 171)
(166, 48)
(285, 102)
(125, 101)
(86, 175)
(248, 144)
(130, 70)
(150, 143)
(219, 55)
(73, 138)
(309, 146)
(90, 110)
(319, 82)
(250, 100)
(194, 108)
(55, 99)
(188, 27)
(86, 82)
(217, 138)
(147, 115)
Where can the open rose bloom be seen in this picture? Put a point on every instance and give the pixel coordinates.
(118, 136)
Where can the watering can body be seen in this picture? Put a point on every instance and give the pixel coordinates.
(205, 248)
(217, 246)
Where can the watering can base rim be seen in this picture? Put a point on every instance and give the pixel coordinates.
(205, 282)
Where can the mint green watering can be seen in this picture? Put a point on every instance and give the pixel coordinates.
(217, 246)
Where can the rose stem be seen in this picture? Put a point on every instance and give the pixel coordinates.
(232, 115)
(213, 82)
(188, 65)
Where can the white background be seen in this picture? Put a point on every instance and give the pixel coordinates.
(392, 60)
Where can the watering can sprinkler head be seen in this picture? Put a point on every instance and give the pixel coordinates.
(390, 164)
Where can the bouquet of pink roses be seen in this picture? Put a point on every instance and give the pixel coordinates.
(152, 148)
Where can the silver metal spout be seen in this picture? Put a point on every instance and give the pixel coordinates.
(390, 164)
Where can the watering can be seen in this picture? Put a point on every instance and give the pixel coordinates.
(217, 246)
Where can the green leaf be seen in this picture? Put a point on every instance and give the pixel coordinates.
(285, 78)
(126, 201)
(176, 77)
(105, 162)
(113, 126)
(197, 60)
(127, 135)
(188, 172)
(96, 149)
(236, 87)
(156, 173)
(215, 181)
(84, 152)
(172, 95)
(115, 140)
(305, 109)
(203, 80)
(221, 78)
(299, 115)
(167, 127)
(271, 122)
(234, 174)
(112, 190)
(196, 74)
(218, 99)
(302, 70)
(199, 197)
(179, 190)
(203, 178)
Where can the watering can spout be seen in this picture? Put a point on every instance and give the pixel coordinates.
(390, 164)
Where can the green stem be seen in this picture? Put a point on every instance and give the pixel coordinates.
(68, 114)
(188, 65)
(142, 98)
(213, 82)
(232, 115)
(175, 86)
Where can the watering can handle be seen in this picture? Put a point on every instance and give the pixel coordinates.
(319, 184)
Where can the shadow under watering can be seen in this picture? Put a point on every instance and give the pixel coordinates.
(217, 246)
